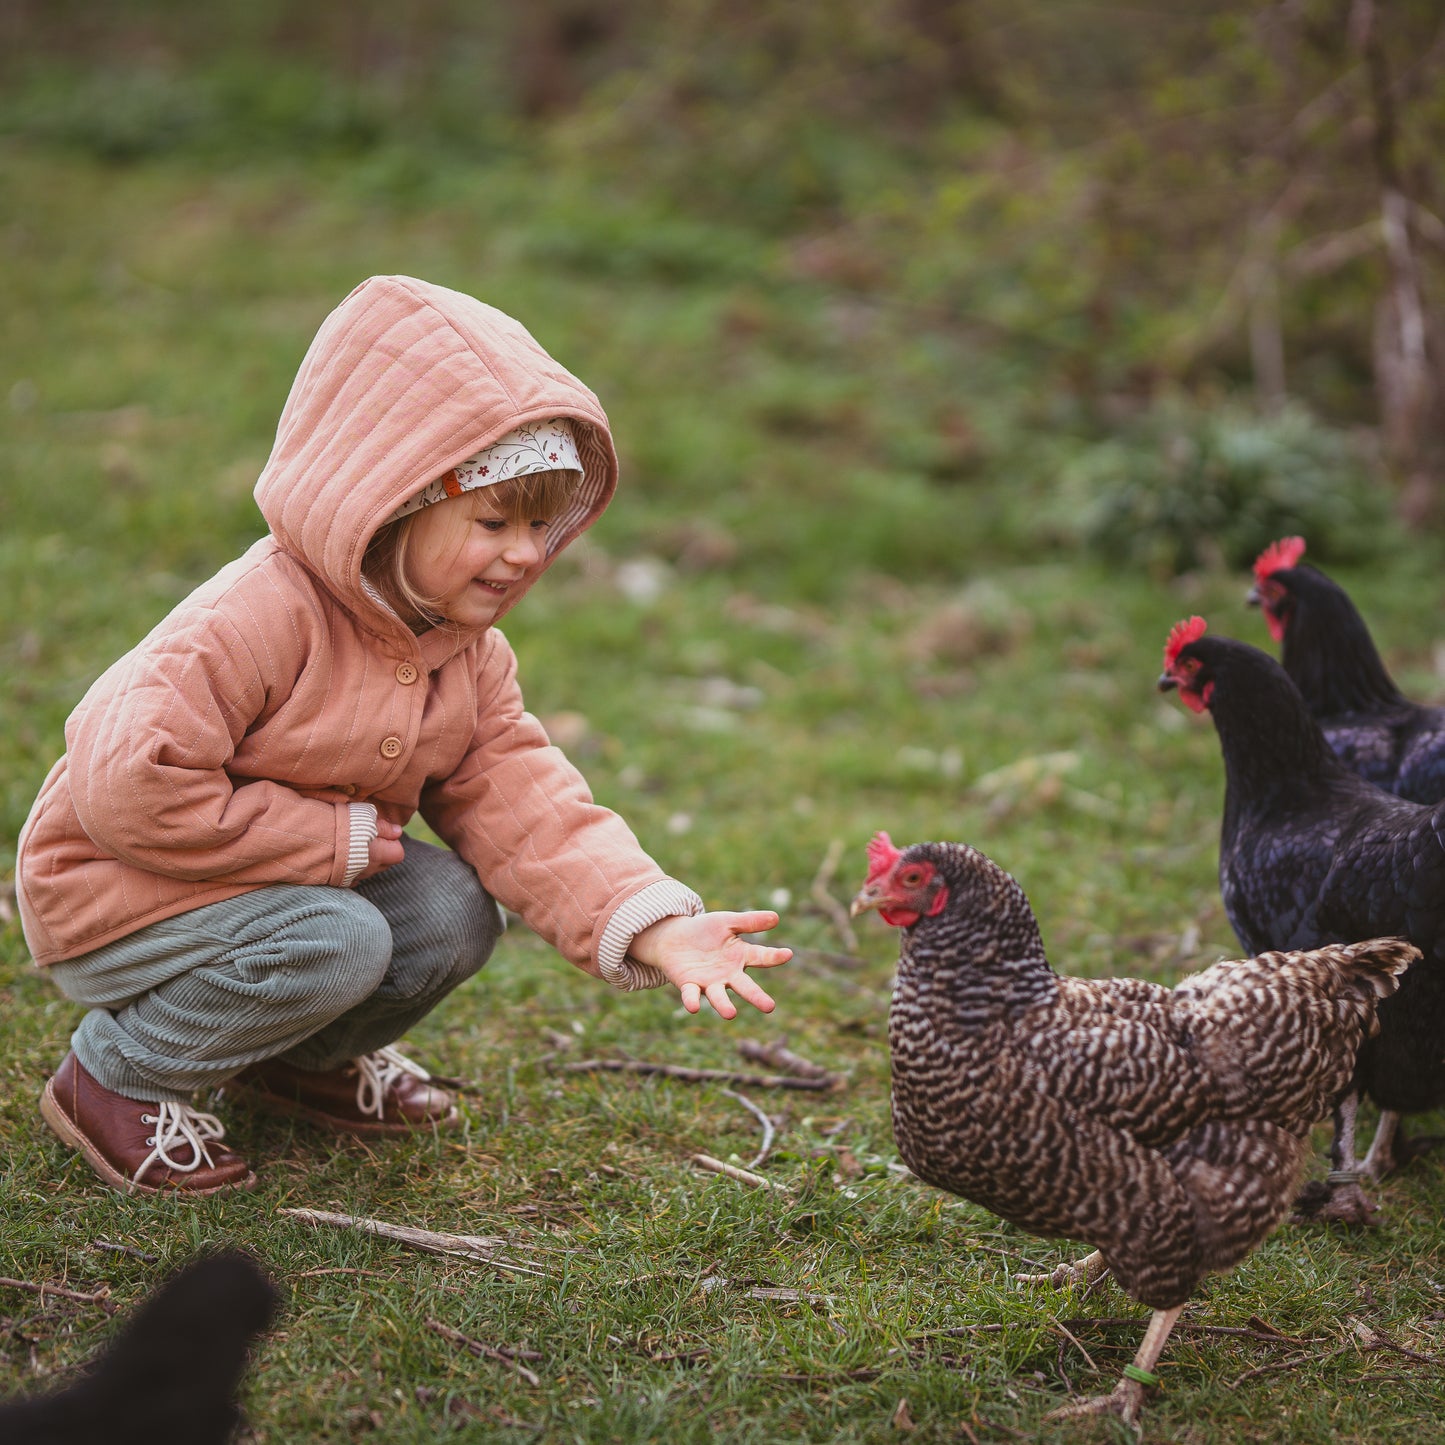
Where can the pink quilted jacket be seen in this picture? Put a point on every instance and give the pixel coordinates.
(221, 753)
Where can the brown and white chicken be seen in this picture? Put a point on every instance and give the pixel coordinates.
(1165, 1127)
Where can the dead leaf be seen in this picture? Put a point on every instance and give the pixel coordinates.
(903, 1418)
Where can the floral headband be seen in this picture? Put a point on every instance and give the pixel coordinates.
(539, 446)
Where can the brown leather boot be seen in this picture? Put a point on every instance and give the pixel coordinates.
(143, 1148)
(379, 1093)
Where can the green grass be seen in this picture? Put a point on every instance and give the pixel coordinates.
(901, 636)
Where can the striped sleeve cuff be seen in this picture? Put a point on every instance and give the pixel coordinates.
(667, 898)
(363, 830)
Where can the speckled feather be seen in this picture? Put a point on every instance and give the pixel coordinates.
(1328, 652)
(1311, 854)
(1165, 1127)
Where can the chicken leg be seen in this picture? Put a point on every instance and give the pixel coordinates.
(1127, 1397)
(1341, 1200)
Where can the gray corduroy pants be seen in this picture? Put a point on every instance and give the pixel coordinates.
(314, 975)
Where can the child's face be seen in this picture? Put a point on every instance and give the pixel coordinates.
(469, 557)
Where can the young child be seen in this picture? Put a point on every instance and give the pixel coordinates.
(216, 867)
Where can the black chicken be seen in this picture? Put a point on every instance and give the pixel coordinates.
(1311, 854)
(1166, 1127)
(1326, 648)
(172, 1374)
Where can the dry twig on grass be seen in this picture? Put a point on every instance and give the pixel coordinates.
(477, 1247)
(762, 1118)
(102, 1246)
(743, 1176)
(101, 1297)
(503, 1354)
(697, 1076)
(836, 914)
(787, 1295)
(779, 1056)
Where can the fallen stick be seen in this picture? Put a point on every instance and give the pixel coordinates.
(1073, 1339)
(1293, 1363)
(779, 1056)
(835, 912)
(489, 1352)
(788, 1295)
(477, 1247)
(1082, 1323)
(102, 1245)
(695, 1076)
(762, 1118)
(743, 1176)
(340, 1269)
(100, 1297)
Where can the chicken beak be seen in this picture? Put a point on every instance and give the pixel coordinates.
(1254, 599)
(867, 897)
(1166, 683)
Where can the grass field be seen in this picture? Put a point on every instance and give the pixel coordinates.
(797, 625)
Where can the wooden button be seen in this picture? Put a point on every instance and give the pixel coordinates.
(406, 673)
(391, 747)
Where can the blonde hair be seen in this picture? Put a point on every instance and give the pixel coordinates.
(533, 496)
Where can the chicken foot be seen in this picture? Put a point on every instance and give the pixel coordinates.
(1340, 1200)
(1084, 1272)
(1381, 1158)
(1127, 1397)
(1392, 1148)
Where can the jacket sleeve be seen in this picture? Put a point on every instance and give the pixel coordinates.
(523, 817)
(149, 747)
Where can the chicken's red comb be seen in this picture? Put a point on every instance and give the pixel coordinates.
(1277, 556)
(1181, 635)
(882, 855)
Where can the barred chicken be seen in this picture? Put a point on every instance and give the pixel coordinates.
(1311, 854)
(1166, 1127)
(1329, 654)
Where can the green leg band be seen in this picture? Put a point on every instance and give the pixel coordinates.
(1144, 1377)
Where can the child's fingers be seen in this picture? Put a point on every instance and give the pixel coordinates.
(691, 997)
(758, 921)
(717, 996)
(744, 987)
(758, 956)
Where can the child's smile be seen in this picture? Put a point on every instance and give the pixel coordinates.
(468, 559)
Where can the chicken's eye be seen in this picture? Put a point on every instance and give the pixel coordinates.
(911, 877)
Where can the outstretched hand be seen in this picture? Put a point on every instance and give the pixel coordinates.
(705, 956)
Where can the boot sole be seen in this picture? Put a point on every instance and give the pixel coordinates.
(270, 1103)
(65, 1130)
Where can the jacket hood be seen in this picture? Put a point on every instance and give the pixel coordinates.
(404, 380)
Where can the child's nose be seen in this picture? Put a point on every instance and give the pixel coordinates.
(524, 549)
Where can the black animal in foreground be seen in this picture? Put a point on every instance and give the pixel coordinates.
(1311, 854)
(171, 1376)
(1166, 1127)
(1328, 652)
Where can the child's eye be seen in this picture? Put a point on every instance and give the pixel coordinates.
(540, 524)
(493, 524)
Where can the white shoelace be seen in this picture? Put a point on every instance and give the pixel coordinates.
(179, 1124)
(378, 1071)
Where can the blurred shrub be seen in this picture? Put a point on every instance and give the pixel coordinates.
(246, 105)
(1187, 486)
